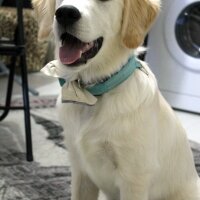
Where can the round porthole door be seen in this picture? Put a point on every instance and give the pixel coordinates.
(182, 33)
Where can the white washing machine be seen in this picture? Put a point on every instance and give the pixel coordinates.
(174, 53)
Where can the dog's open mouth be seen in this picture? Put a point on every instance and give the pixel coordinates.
(74, 52)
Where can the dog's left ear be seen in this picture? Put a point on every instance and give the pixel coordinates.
(138, 15)
(44, 10)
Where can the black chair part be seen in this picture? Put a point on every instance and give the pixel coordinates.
(17, 49)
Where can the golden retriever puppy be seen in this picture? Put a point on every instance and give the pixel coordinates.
(122, 136)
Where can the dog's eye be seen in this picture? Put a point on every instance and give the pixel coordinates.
(103, 0)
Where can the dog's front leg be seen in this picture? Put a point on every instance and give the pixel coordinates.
(82, 187)
(137, 189)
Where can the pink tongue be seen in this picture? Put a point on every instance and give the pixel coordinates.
(69, 54)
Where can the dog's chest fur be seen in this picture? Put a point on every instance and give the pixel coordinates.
(88, 135)
(103, 138)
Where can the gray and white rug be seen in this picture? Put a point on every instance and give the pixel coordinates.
(48, 177)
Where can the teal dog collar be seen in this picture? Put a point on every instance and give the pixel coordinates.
(115, 80)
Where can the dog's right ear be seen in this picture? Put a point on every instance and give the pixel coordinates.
(44, 10)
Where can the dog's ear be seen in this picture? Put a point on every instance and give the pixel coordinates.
(138, 16)
(44, 10)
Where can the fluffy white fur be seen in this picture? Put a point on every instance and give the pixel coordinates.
(130, 145)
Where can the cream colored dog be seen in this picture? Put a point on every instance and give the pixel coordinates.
(129, 145)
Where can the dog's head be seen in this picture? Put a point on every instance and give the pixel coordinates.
(83, 28)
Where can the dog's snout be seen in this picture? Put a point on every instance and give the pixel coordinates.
(67, 15)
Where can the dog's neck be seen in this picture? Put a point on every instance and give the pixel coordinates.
(110, 82)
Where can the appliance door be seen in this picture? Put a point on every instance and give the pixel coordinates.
(182, 33)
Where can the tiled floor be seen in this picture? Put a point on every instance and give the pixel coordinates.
(50, 86)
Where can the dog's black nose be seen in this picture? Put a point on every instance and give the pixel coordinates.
(67, 15)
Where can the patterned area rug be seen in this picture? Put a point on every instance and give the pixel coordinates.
(48, 177)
